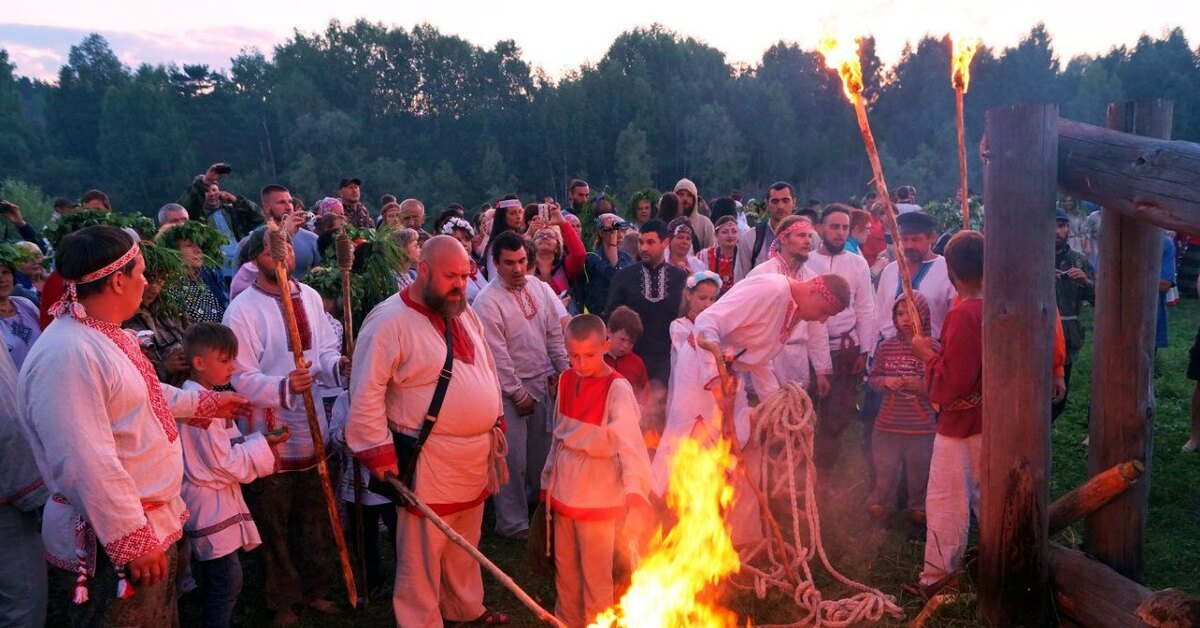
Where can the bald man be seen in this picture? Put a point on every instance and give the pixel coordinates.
(402, 348)
(412, 214)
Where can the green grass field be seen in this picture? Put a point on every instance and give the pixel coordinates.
(861, 548)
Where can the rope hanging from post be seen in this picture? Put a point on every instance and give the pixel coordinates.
(784, 424)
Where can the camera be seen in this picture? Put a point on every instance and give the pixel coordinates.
(222, 169)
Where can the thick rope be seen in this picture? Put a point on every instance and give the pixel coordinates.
(785, 423)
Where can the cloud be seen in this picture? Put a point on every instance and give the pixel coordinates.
(39, 51)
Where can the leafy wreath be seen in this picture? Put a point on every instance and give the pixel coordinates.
(207, 238)
(12, 255)
(166, 265)
(67, 225)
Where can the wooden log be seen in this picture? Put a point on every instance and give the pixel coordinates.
(1100, 489)
(1122, 421)
(1020, 181)
(1092, 594)
(1154, 180)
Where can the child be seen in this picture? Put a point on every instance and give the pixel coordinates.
(954, 380)
(597, 472)
(903, 440)
(624, 329)
(374, 506)
(689, 364)
(216, 459)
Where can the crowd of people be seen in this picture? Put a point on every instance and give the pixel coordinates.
(155, 425)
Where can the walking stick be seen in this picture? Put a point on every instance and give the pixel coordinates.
(725, 407)
(345, 262)
(277, 245)
(458, 540)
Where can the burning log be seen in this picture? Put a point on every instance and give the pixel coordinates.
(963, 50)
(843, 58)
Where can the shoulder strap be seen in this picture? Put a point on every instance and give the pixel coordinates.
(916, 280)
(439, 395)
(760, 236)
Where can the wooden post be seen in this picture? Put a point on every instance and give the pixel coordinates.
(1088, 497)
(1122, 419)
(1020, 179)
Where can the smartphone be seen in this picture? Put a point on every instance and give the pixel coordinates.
(277, 432)
(544, 212)
(222, 169)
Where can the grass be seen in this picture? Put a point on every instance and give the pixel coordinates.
(862, 549)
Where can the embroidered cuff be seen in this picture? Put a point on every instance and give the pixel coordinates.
(285, 394)
(132, 545)
(206, 406)
(378, 457)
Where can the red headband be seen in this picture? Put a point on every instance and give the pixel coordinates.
(69, 303)
(824, 291)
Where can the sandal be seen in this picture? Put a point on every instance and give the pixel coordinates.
(490, 617)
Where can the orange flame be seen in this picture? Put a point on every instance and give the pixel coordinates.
(962, 52)
(842, 56)
(672, 586)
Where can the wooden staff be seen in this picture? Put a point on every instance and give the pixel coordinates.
(725, 397)
(962, 155)
(473, 552)
(345, 261)
(277, 245)
(889, 214)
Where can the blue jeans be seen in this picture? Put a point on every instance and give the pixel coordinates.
(223, 583)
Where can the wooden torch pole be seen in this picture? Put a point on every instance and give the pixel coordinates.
(962, 157)
(277, 245)
(345, 260)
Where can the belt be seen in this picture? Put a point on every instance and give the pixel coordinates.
(1068, 318)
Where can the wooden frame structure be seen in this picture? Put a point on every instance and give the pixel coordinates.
(1144, 182)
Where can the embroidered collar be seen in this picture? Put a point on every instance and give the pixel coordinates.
(127, 345)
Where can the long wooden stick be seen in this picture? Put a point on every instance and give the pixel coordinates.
(889, 212)
(471, 550)
(725, 406)
(310, 408)
(962, 156)
(345, 260)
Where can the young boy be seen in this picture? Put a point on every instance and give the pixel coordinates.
(904, 428)
(624, 329)
(217, 458)
(954, 380)
(597, 472)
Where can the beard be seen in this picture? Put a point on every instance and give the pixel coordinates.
(834, 248)
(442, 303)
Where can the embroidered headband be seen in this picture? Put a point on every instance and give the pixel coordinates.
(680, 225)
(69, 303)
(456, 223)
(777, 245)
(827, 294)
(702, 276)
(507, 203)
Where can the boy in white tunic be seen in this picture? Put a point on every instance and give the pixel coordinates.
(103, 430)
(217, 460)
(288, 506)
(597, 472)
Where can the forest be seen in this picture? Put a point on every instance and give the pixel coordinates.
(415, 112)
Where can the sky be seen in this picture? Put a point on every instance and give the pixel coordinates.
(561, 36)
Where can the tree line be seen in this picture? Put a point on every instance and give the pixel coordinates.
(415, 112)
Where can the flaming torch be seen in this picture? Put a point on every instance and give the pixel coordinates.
(842, 57)
(962, 51)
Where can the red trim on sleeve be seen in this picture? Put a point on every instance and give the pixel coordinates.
(378, 457)
(132, 545)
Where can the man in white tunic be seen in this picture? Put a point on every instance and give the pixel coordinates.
(288, 506)
(849, 331)
(22, 493)
(808, 347)
(103, 431)
(526, 339)
(400, 353)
